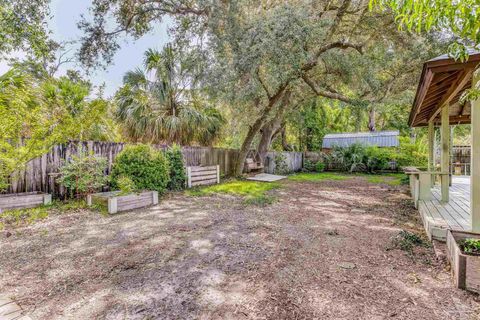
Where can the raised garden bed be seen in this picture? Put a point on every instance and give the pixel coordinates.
(115, 202)
(465, 267)
(24, 200)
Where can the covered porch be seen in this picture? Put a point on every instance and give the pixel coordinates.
(446, 201)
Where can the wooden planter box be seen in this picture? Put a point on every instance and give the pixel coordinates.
(465, 268)
(23, 200)
(116, 203)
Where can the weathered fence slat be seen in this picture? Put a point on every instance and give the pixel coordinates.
(197, 176)
(40, 174)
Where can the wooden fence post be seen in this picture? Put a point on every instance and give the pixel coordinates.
(189, 177)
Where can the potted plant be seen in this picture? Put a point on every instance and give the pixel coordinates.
(464, 256)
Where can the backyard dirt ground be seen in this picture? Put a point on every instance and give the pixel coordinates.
(323, 250)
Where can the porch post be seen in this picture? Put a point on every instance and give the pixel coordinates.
(431, 159)
(445, 137)
(475, 159)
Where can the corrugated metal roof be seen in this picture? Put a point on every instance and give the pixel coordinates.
(377, 138)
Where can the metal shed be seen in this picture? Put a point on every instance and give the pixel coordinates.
(376, 138)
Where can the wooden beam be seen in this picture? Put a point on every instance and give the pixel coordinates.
(462, 108)
(460, 119)
(445, 152)
(456, 87)
(431, 159)
(441, 77)
(422, 91)
(475, 160)
(444, 84)
(453, 120)
(432, 96)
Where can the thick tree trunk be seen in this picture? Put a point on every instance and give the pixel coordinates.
(253, 130)
(371, 119)
(272, 128)
(285, 145)
(267, 132)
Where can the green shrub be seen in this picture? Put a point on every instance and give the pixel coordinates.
(309, 166)
(405, 179)
(281, 166)
(319, 166)
(177, 168)
(351, 158)
(313, 166)
(83, 174)
(358, 157)
(126, 185)
(145, 166)
(470, 246)
(378, 158)
(412, 154)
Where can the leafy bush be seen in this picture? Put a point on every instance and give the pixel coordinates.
(83, 174)
(126, 185)
(309, 166)
(351, 158)
(177, 168)
(313, 166)
(470, 246)
(412, 154)
(378, 158)
(358, 157)
(145, 166)
(281, 166)
(319, 166)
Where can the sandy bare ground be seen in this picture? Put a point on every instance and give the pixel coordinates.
(320, 252)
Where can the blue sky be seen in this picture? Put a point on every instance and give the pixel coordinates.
(66, 14)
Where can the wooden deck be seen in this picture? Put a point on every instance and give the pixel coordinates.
(438, 217)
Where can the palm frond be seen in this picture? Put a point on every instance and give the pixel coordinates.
(159, 108)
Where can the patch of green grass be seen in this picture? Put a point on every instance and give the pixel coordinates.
(392, 179)
(254, 192)
(238, 187)
(261, 200)
(30, 215)
(27, 216)
(319, 176)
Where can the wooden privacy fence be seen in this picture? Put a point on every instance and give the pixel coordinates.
(293, 160)
(459, 160)
(40, 174)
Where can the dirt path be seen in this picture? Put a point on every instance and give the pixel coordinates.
(320, 252)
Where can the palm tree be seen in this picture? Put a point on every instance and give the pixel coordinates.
(159, 103)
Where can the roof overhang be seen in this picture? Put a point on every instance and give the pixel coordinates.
(442, 82)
